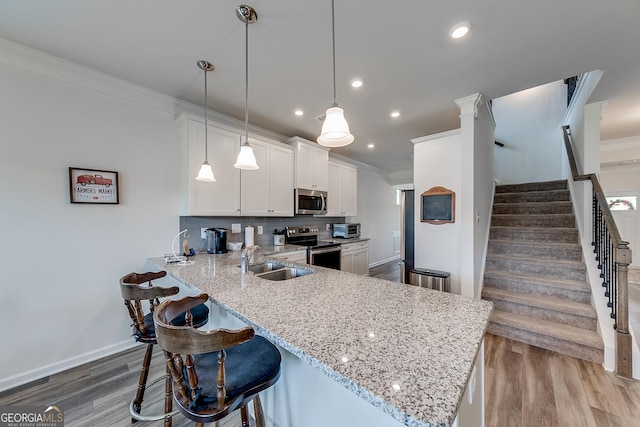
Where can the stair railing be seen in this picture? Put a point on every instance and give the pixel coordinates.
(613, 256)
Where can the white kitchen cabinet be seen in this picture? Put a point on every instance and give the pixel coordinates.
(295, 257)
(355, 258)
(268, 191)
(342, 199)
(221, 198)
(312, 164)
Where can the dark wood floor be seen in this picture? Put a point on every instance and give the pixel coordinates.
(524, 386)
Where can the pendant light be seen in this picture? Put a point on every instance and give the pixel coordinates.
(206, 173)
(335, 129)
(246, 159)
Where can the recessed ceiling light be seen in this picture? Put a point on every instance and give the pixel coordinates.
(459, 30)
(395, 114)
(299, 113)
(370, 145)
(356, 83)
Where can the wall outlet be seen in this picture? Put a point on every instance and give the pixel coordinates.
(235, 228)
(327, 227)
(260, 229)
(203, 233)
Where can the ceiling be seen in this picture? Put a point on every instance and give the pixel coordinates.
(400, 48)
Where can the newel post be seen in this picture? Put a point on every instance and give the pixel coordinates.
(624, 367)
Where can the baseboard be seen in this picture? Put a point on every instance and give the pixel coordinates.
(384, 261)
(63, 365)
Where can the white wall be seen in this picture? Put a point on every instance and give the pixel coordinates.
(379, 215)
(623, 180)
(61, 262)
(462, 161)
(437, 163)
(528, 123)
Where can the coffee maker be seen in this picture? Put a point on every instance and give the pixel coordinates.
(216, 240)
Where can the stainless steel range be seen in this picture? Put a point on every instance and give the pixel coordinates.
(319, 252)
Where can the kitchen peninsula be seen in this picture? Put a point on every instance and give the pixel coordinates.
(357, 351)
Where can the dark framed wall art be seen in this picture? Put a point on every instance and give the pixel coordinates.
(93, 186)
(438, 206)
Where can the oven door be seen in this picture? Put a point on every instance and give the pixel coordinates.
(329, 257)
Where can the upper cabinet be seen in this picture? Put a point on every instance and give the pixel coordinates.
(221, 198)
(312, 164)
(342, 199)
(267, 191)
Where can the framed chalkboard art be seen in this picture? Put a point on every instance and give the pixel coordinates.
(438, 206)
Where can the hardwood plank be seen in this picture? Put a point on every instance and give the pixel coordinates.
(571, 400)
(539, 406)
(503, 404)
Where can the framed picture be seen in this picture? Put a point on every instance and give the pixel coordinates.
(438, 206)
(93, 186)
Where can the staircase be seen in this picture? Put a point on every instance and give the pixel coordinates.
(535, 275)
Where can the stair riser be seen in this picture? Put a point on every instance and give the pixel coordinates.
(520, 250)
(541, 196)
(563, 318)
(550, 271)
(535, 235)
(515, 285)
(551, 221)
(579, 351)
(533, 208)
(532, 186)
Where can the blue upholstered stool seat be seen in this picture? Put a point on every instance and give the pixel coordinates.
(248, 365)
(200, 315)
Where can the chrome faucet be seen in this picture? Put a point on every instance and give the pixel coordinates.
(245, 257)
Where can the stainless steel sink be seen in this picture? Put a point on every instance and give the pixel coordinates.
(271, 270)
(265, 266)
(284, 273)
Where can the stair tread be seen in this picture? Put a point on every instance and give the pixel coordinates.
(563, 332)
(541, 301)
(544, 280)
(533, 260)
(517, 227)
(551, 245)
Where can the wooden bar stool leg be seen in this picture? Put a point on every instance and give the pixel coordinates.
(257, 410)
(245, 416)
(168, 396)
(142, 381)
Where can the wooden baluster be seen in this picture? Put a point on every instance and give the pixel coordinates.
(192, 376)
(624, 367)
(140, 318)
(221, 380)
(175, 365)
(132, 313)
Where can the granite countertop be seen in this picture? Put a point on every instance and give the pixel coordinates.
(407, 350)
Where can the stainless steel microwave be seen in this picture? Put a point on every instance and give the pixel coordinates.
(347, 231)
(310, 201)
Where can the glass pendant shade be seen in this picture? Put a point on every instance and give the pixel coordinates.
(206, 173)
(246, 159)
(335, 129)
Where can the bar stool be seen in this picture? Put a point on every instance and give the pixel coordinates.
(136, 288)
(215, 372)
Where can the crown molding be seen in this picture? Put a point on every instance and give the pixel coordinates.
(30, 62)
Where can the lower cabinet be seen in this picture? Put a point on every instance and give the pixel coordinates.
(355, 258)
(296, 257)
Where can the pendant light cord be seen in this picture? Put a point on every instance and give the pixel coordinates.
(246, 83)
(206, 127)
(333, 35)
